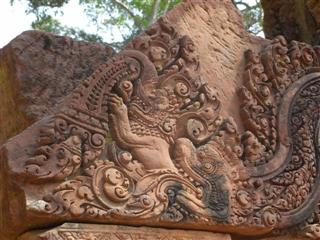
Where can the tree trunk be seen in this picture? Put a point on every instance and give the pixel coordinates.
(295, 19)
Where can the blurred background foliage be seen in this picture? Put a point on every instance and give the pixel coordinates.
(129, 17)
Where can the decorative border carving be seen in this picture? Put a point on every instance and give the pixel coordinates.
(87, 231)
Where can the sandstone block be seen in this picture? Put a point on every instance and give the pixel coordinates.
(38, 70)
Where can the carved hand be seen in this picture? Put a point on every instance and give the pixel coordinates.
(117, 107)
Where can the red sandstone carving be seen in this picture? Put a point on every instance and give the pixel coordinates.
(142, 139)
(156, 107)
(111, 232)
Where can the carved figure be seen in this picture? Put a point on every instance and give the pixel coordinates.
(152, 101)
(143, 138)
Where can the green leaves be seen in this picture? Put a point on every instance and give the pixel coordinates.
(252, 15)
(47, 23)
(128, 17)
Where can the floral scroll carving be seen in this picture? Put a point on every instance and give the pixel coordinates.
(143, 138)
(281, 110)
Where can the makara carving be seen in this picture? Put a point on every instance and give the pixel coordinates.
(143, 138)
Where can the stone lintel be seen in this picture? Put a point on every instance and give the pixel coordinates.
(76, 231)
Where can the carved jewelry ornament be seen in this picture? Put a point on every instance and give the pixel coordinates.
(143, 139)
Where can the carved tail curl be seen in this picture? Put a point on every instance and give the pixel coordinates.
(304, 163)
(280, 110)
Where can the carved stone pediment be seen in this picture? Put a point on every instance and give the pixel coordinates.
(142, 141)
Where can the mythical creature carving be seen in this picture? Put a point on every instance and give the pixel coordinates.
(281, 111)
(143, 138)
(128, 137)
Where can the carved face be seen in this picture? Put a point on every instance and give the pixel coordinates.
(159, 56)
(160, 99)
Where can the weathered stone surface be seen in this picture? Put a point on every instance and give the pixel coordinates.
(72, 231)
(221, 42)
(163, 49)
(296, 20)
(222, 66)
(163, 136)
(38, 70)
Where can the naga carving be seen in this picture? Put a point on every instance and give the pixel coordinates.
(143, 138)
